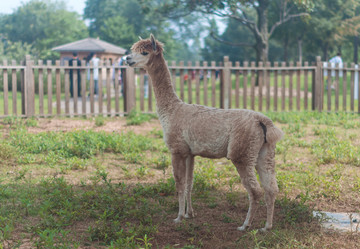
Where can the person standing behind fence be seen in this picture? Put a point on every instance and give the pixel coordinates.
(121, 62)
(95, 63)
(123, 70)
(334, 61)
(76, 62)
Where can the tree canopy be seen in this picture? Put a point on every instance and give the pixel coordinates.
(191, 30)
(42, 25)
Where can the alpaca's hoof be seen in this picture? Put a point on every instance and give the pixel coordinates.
(177, 220)
(265, 229)
(243, 228)
(189, 215)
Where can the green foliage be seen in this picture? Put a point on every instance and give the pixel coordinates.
(7, 151)
(16, 50)
(42, 25)
(6, 228)
(121, 22)
(101, 210)
(137, 118)
(74, 147)
(118, 31)
(99, 121)
(54, 239)
(330, 149)
(294, 211)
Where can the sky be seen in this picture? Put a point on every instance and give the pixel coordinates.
(8, 6)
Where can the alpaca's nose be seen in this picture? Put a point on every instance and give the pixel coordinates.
(129, 61)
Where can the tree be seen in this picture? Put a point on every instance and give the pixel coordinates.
(260, 27)
(43, 25)
(106, 16)
(97, 11)
(116, 30)
(14, 50)
(329, 25)
(350, 27)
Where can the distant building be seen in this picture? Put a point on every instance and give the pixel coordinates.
(104, 50)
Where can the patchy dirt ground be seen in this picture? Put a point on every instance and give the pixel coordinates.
(213, 226)
(111, 125)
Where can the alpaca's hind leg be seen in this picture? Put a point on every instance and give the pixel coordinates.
(189, 185)
(266, 169)
(179, 170)
(248, 179)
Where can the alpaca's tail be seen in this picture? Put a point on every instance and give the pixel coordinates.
(272, 134)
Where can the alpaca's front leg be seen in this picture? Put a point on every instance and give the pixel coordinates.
(179, 170)
(189, 185)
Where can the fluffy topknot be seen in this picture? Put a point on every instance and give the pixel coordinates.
(146, 45)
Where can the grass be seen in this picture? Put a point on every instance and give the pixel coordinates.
(99, 189)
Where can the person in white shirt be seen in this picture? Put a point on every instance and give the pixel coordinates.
(333, 62)
(95, 62)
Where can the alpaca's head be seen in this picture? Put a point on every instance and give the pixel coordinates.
(143, 52)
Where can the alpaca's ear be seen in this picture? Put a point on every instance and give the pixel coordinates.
(153, 42)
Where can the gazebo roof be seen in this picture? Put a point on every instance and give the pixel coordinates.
(90, 45)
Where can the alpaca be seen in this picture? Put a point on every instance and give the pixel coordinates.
(245, 137)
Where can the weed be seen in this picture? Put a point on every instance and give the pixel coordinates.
(133, 157)
(212, 202)
(259, 244)
(146, 241)
(31, 122)
(162, 162)
(11, 120)
(75, 163)
(136, 118)
(20, 175)
(232, 198)
(226, 219)
(6, 228)
(295, 130)
(142, 171)
(356, 185)
(163, 188)
(157, 133)
(99, 121)
(7, 151)
(329, 149)
(324, 131)
(295, 212)
(54, 238)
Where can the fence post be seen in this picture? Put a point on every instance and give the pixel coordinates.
(318, 86)
(224, 88)
(29, 88)
(129, 91)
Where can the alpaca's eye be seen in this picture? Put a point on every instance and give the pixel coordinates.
(144, 53)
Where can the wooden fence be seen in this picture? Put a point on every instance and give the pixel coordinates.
(43, 89)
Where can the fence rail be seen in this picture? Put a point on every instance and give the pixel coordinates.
(46, 89)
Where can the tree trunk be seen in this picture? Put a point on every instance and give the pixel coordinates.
(356, 44)
(262, 39)
(325, 52)
(300, 50)
(286, 48)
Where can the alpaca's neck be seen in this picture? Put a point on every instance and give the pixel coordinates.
(166, 98)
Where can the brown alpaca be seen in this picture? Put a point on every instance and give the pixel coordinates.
(245, 137)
